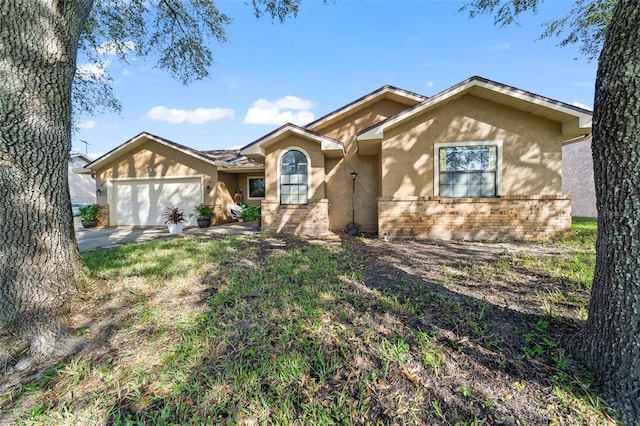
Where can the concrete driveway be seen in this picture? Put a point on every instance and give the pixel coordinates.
(107, 237)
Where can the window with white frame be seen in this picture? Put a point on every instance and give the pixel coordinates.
(255, 187)
(294, 178)
(468, 169)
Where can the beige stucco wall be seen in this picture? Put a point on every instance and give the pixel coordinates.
(164, 162)
(316, 176)
(242, 182)
(155, 160)
(338, 170)
(331, 177)
(531, 147)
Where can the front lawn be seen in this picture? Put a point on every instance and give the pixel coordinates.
(280, 330)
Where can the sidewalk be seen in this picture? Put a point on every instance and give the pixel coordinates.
(107, 237)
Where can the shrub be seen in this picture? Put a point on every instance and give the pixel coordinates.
(174, 215)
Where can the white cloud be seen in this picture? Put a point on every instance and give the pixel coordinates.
(429, 84)
(196, 116)
(581, 105)
(501, 46)
(89, 124)
(289, 109)
(94, 70)
(112, 47)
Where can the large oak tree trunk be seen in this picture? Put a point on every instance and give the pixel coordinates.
(611, 339)
(39, 259)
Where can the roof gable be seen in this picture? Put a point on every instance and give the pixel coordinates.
(139, 140)
(385, 92)
(256, 150)
(575, 121)
(227, 158)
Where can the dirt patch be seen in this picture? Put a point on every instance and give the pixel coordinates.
(503, 331)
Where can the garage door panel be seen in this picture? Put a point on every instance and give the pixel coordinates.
(144, 202)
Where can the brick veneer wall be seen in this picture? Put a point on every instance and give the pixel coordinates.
(509, 217)
(311, 219)
(104, 214)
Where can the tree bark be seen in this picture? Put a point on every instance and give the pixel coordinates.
(39, 259)
(611, 338)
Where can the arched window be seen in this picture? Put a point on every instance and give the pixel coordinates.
(294, 178)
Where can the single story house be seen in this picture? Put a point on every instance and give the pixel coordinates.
(480, 160)
(140, 179)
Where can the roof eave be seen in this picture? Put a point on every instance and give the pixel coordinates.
(328, 146)
(382, 92)
(136, 140)
(577, 124)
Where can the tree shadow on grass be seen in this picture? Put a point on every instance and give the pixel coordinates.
(282, 330)
(500, 337)
(373, 335)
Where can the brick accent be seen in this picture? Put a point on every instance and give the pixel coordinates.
(311, 219)
(510, 217)
(104, 214)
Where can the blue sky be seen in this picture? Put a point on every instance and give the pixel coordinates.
(270, 73)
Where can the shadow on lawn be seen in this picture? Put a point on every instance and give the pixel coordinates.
(498, 344)
(360, 332)
(368, 333)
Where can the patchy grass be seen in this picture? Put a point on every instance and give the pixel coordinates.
(278, 330)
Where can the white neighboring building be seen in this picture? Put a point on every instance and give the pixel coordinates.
(82, 186)
(577, 178)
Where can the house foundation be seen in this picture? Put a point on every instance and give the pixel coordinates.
(516, 217)
(310, 219)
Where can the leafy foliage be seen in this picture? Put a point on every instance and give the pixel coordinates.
(89, 212)
(174, 215)
(177, 34)
(204, 212)
(584, 25)
(251, 213)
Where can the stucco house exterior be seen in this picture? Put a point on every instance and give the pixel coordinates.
(139, 179)
(480, 160)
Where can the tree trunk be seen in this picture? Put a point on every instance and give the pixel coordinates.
(39, 259)
(611, 338)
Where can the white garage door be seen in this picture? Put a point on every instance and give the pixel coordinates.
(142, 202)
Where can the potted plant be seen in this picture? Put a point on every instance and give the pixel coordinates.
(89, 215)
(204, 214)
(352, 228)
(174, 217)
(252, 214)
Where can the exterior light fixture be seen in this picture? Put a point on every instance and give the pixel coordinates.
(99, 192)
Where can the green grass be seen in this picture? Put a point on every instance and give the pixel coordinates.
(281, 331)
(584, 224)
